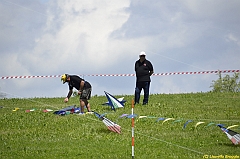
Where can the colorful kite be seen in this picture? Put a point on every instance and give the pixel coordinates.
(232, 135)
(198, 124)
(232, 126)
(47, 110)
(185, 124)
(142, 117)
(65, 111)
(110, 125)
(132, 116)
(177, 121)
(160, 119)
(113, 102)
(124, 115)
(210, 124)
(167, 120)
(31, 110)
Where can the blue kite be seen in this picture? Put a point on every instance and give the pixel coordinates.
(114, 102)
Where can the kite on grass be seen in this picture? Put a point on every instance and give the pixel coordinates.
(185, 124)
(232, 135)
(110, 125)
(167, 120)
(113, 102)
(199, 124)
(31, 110)
(64, 111)
(47, 110)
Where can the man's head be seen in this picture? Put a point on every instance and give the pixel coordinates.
(64, 78)
(142, 55)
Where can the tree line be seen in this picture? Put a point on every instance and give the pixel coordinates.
(227, 83)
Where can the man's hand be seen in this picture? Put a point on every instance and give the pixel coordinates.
(79, 92)
(66, 100)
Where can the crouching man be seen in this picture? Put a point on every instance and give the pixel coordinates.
(84, 90)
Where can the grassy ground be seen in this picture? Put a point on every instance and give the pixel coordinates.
(45, 135)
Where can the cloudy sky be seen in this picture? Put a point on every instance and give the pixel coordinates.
(92, 37)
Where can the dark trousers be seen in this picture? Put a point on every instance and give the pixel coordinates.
(139, 86)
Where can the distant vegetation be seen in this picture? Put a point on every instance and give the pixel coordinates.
(227, 83)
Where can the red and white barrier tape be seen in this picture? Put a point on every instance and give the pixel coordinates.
(117, 75)
(50, 76)
(200, 72)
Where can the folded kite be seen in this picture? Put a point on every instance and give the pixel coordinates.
(65, 111)
(110, 125)
(232, 135)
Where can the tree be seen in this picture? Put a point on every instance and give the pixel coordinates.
(226, 83)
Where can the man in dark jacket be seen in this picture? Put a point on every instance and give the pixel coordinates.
(84, 90)
(143, 69)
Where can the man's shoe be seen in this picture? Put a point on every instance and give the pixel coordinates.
(81, 114)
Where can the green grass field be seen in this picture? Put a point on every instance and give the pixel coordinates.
(45, 135)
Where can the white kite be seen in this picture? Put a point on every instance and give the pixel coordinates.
(113, 102)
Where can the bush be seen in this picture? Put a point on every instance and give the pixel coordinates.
(226, 83)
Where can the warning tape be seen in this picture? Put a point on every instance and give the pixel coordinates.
(50, 76)
(117, 75)
(200, 72)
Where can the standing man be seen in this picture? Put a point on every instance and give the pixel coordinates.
(143, 69)
(84, 90)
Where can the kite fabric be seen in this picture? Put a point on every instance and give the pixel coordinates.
(110, 125)
(184, 126)
(114, 102)
(167, 120)
(198, 124)
(176, 121)
(160, 119)
(31, 110)
(65, 111)
(232, 126)
(47, 110)
(210, 124)
(232, 135)
(124, 115)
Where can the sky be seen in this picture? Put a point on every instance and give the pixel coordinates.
(93, 37)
